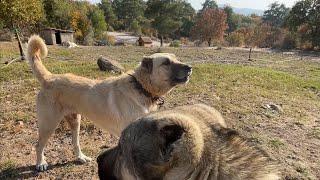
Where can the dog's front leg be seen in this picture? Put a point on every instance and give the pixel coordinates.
(74, 122)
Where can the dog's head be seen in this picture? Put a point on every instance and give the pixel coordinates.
(150, 147)
(160, 72)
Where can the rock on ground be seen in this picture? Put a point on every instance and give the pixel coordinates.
(109, 65)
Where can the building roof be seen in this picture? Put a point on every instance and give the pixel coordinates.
(60, 30)
(145, 39)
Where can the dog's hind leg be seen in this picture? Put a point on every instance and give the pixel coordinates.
(74, 122)
(49, 117)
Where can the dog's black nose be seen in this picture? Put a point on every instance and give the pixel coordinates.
(188, 68)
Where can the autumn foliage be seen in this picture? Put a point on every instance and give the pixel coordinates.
(210, 26)
(20, 13)
(81, 25)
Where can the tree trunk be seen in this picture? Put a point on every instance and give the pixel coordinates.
(161, 41)
(209, 42)
(20, 46)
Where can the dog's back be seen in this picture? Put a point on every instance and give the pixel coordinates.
(188, 142)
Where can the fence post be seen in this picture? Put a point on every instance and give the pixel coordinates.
(250, 54)
(20, 46)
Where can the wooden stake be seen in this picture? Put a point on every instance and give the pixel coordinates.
(250, 54)
(20, 46)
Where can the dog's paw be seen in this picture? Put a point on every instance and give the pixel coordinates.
(83, 158)
(42, 167)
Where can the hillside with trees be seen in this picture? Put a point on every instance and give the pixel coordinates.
(279, 27)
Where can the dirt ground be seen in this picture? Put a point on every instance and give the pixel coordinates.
(273, 100)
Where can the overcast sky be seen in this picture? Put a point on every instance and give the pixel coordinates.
(253, 4)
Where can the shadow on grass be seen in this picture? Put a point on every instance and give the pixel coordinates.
(25, 172)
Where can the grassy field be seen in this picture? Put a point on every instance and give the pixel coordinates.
(246, 93)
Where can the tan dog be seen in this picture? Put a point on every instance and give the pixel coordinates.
(189, 142)
(111, 104)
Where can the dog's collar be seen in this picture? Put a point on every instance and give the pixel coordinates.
(155, 99)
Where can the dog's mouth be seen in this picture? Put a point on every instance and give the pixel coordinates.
(182, 77)
(181, 74)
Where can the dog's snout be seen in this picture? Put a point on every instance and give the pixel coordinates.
(188, 68)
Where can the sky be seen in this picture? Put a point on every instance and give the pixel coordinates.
(253, 4)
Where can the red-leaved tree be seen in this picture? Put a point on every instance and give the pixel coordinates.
(210, 25)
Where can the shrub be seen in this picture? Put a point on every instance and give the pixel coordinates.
(110, 39)
(235, 39)
(289, 41)
(89, 38)
(175, 43)
(6, 35)
(1, 25)
(307, 45)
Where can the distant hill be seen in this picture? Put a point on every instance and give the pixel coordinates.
(248, 11)
(245, 11)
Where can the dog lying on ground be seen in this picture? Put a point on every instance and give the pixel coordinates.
(111, 104)
(188, 142)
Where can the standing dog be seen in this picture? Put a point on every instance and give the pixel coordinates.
(111, 104)
(189, 142)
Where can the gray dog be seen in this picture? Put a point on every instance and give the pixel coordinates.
(189, 142)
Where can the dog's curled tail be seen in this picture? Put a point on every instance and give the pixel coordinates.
(37, 49)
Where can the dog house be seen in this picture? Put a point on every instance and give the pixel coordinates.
(145, 41)
(53, 36)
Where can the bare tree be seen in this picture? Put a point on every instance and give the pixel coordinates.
(210, 25)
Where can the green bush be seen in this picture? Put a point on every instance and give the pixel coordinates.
(175, 43)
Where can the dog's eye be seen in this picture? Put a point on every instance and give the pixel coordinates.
(166, 62)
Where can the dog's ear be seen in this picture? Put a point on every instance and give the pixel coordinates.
(106, 164)
(147, 64)
(171, 134)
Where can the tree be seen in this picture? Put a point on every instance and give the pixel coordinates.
(81, 24)
(128, 10)
(210, 26)
(298, 15)
(304, 18)
(108, 11)
(246, 21)
(233, 20)
(58, 13)
(20, 13)
(209, 4)
(276, 14)
(97, 20)
(165, 25)
(170, 16)
(188, 16)
(186, 27)
(135, 27)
